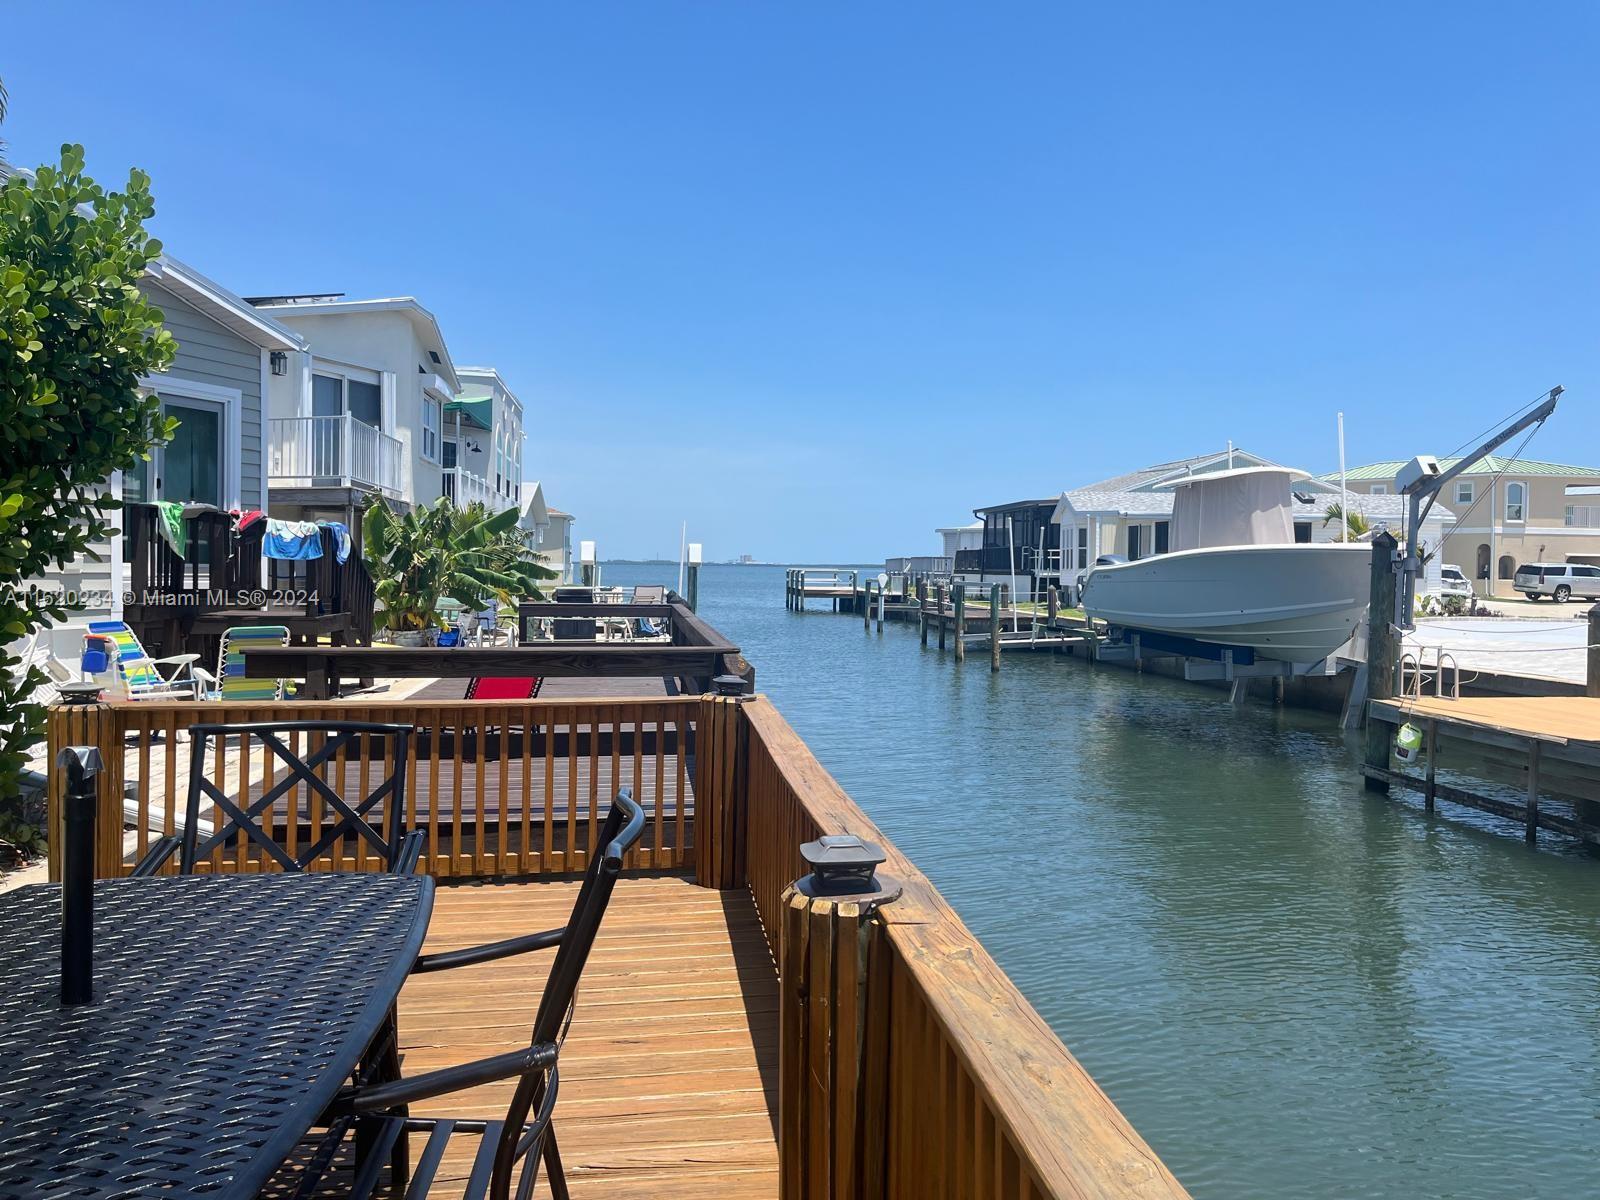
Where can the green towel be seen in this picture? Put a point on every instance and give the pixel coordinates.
(172, 525)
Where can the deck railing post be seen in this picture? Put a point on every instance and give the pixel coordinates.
(720, 791)
(833, 1025)
(101, 726)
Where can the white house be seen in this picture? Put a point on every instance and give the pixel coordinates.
(960, 537)
(1129, 514)
(483, 436)
(359, 413)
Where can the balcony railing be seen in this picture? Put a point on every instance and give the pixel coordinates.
(334, 452)
(463, 487)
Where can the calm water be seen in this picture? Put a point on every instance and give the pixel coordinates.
(1292, 988)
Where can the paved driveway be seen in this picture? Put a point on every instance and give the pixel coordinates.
(1549, 649)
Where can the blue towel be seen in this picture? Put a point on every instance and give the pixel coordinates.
(292, 540)
(341, 540)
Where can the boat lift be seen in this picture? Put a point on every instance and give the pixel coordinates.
(1421, 481)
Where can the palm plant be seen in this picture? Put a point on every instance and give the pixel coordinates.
(468, 555)
(1355, 523)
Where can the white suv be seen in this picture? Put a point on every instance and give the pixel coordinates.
(1452, 582)
(1559, 581)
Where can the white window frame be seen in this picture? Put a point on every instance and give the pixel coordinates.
(1522, 505)
(344, 373)
(1378, 489)
(231, 468)
(1471, 490)
(433, 433)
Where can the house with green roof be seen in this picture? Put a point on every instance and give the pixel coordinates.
(1508, 512)
(484, 436)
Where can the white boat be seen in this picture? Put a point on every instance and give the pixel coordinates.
(1236, 577)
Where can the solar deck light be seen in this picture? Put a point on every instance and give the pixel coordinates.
(729, 685)
(842, 864)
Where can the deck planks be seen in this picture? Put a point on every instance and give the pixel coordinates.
(1548, 718)
(669, 1072)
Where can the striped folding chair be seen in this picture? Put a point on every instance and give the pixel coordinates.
(230, 681)
(113, 651)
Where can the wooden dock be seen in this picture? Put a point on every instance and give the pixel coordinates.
(1546, 747)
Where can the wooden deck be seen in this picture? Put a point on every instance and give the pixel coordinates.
(1559, 719)
(669, 1073)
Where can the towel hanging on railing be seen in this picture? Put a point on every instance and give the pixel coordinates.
(170, 524)
(292, 540)
(341, 540)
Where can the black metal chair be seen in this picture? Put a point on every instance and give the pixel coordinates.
(398, 850)
(369, 1123)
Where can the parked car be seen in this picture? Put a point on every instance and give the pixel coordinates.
(1559, 581)
(1453, 581)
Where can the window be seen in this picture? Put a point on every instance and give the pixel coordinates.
(1083, 546)
(1585, 516)
(1465, 492)
(1483, 560)
(1586, 572)
(1133, 541)
(1516, 498)
(335, 395)
(1508, 566)
(1378, 489)
(1163, 536)
(431, 420)
(449, 461)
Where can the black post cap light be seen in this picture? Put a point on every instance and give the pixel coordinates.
(842, 864)
(729, 685)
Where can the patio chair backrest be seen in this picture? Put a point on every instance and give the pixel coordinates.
(509, 687)
(650, 593)
(132, 666)
(232, 683)
(621, 830)
(344, 818)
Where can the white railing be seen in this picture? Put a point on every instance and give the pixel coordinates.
(333, 452)
(463, 487)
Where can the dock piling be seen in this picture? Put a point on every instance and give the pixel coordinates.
(940, 594)
(1592, 683)
(994, 627)
(960, 622)
(1381, 658)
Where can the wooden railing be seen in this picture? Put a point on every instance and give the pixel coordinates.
(911, 1066)
(501, 789)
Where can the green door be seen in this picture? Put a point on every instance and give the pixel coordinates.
(192, 461)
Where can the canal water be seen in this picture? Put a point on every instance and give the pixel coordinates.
(1292, 987)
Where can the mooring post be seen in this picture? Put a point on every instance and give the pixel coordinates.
(1592, 684)
(960, 614)
(1382, 655)
(881, 590)
(866, 606)
(1433, 766)
(834, 1022)
(1054, 607)
(922, 611)
(1531, 832)
(994, 627)
(940, 596)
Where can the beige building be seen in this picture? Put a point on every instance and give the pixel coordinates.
(1508, 512)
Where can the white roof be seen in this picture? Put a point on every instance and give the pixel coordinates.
(1233, 473)
(424, 320)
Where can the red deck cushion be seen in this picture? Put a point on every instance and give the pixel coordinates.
(505, 688)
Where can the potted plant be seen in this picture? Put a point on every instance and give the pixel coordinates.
(419, 558)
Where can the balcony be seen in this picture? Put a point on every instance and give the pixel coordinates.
(463, 488)
(335, 451)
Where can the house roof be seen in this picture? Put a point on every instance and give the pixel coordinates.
(1494, 464)
(1011, 504)
(967, 528)
(469, 375)
(425, 323)
(534, 510)
(1158, 505)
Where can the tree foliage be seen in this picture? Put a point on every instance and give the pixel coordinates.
(76, 335)
(472, 557)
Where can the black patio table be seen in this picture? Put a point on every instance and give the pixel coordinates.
(228, 1011)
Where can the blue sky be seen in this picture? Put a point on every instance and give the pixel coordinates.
(818, 278)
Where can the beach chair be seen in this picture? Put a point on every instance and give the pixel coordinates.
(113, 654)
(230, 681)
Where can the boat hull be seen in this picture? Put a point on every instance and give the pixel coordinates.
(1296, 602)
